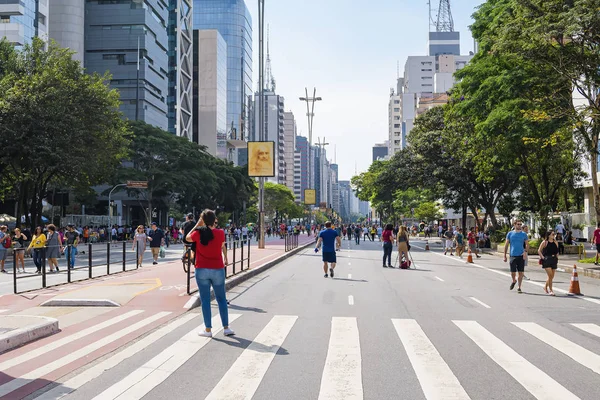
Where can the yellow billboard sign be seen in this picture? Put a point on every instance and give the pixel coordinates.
(310, 197)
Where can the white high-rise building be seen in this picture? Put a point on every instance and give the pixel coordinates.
(67, 25)
(273, 130)
(298, 176)
(425, 84)
(289, 128)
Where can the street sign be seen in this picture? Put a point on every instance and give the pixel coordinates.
(137, 184)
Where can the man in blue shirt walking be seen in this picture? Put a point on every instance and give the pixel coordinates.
(331, 242)
(518, 241)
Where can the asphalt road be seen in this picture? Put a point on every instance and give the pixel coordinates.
(445, 330)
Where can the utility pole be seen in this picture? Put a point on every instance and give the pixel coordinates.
(261, 113)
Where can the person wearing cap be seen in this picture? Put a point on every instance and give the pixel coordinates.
(157, 239)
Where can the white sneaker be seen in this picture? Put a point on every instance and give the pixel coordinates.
(228, 332)
(204, 333)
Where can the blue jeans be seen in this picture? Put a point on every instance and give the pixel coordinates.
(204, 279)
(72, 252)
(387, 253)
(38, 259)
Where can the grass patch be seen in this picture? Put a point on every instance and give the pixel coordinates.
(588, 260)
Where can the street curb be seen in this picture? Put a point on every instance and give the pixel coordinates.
(21, 336)
(244, 276)
(80, 303)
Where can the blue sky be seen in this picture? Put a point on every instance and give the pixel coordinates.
(349, 50)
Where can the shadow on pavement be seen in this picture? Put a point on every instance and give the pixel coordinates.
(241, 343)
(351, 280)
(252, 309)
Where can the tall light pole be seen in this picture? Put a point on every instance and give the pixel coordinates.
(322, 181)
(109, 206)
(261, 118)
(310, 113)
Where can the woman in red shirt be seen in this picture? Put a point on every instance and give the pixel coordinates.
(210, 252)
(388, 239)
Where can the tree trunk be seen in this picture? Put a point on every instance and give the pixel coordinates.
(464, 217)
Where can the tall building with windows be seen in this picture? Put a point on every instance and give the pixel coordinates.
(273, 130)
(113, 30)
(233, 21)
(302, 149)
(22, 20)
(289, 128)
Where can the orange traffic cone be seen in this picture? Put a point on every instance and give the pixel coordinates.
(427, 245)
(470, 257)
(574, 288)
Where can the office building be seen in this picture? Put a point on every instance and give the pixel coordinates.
(380, 151)
(67, 25)
(289, 129)
(209, 125)
(345, 193)
(298, 176)
(22, 20)
(302, 150)
(395, 139)
(233, 21)
(112, 33)
(273, 130)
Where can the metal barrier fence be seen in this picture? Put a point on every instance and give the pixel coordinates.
(237, 258)
(114, 260)
(291, 242)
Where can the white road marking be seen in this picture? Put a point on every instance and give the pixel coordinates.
(576, 352)
(591, 300)
(351, 300)
(436, 378)
(1, 311)
(589, 328)
(439, 279)
(342, 376)
(534, 380)
(65, 340)
(349, 276)
(98, 369)
(191, 301)
(142, 380)
(480, 302)
(246, 373)
(17, 383)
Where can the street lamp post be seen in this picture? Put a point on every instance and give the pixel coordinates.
(261, 118)
(310, 113)
(109, 206)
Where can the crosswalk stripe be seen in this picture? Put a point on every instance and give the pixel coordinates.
(91, 373)
(589, 328)
(77, 354)
(65, 340)
(246, 373)
(534, 380)
(1, 311)
(576, 352)
(435, 377)
(342, 375)
(142, 380)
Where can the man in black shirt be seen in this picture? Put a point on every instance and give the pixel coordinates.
(157, 237)
(71, 240)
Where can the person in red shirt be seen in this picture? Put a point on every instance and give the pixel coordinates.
(388, 245)
(472, 240)
(210, 252)
(597, 242)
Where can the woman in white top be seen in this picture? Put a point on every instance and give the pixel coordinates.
(140, 240)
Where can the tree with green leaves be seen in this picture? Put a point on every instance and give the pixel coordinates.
(428, 211)
(558, 36)
(59, 126)
(280, 201)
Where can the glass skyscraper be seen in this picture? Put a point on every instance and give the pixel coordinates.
(231, 18)
(22, 20)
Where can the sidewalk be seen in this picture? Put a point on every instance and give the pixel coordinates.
(157, 292)
(565, 264)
